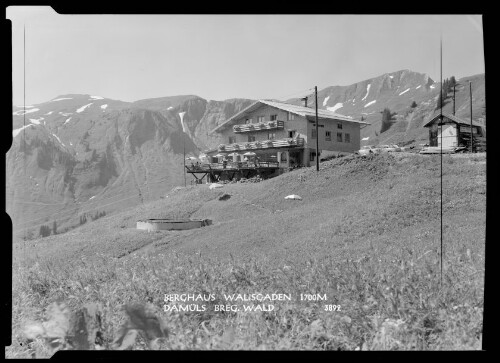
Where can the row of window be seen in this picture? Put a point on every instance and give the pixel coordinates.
(328, 136)
(270, 136)
(274, 117)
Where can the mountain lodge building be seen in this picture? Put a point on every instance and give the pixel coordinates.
(277, 136)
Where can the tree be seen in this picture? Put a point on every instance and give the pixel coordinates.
(446, 89)
(387, 119)
(453, 82)
(54, 228)
(44, 231)
(413, 104)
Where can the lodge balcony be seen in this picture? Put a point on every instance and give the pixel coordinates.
(267, 144)
(231, 165)
(270, 125)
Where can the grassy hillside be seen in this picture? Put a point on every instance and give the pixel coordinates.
(366, 234)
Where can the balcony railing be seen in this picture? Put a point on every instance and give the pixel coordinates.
(267, 144)
(231, 165)
(270, 125)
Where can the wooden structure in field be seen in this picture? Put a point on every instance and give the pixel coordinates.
(171, 224)
(456, 132)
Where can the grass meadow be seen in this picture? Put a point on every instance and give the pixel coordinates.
(366, 235)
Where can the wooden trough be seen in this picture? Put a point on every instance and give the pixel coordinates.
(171, 224)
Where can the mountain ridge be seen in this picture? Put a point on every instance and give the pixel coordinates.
(81, 154)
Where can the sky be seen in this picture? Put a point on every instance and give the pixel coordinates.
(217, 57)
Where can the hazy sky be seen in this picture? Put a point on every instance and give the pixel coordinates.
(131, 57)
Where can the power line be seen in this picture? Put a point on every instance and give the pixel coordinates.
(84, 211)
(78, 207)
(294, 93)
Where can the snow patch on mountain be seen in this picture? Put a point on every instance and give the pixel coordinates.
(36, 120)
(58, 139)
(66, 114)
(83, 108)
(406, 90)
(418, 87)
(336, 107)
(96, 97)
(104, 106)
(370, 103)
(433, 86)
(24, 112)
(326, 100)
(49, 113)
(391, 77)
(60, 99)
(17, 131)
(169, 108)
(367, 91)
(365, 138)
(67, 120)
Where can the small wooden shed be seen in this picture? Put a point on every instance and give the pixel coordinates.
(456, 131)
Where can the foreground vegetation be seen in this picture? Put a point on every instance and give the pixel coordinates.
(382, 268)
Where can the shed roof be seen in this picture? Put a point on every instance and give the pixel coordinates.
(454, 119)
(298, 110)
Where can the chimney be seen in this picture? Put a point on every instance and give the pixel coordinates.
(305, 101)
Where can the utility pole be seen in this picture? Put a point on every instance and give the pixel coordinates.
(181, 114)
(471, 133)
(441, 153)
(317, 133)
(454, 100)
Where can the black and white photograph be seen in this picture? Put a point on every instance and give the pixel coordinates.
(246, 182)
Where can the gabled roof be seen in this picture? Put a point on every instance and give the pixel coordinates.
(298, 110)
(454, 119)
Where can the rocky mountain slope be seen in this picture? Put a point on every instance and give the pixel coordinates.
(397, 91)
(77, 157)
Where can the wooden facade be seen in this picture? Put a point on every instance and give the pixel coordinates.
(285, 133)
(456, 132)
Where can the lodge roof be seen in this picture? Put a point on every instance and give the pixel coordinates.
(306, 112)
(454, 119)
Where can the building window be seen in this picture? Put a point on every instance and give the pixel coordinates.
(248, 121)
(271, 136)
(251, 138)
(313, 134)
(291, 134)
(274, 117)
(347, 138)
(328, 136)
(312, 156)
(291, 116)
(260, 118)
(339, 125)
(283, 156)
(339, 136)
(232, 139)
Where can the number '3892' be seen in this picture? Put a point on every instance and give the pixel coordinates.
(332, 307)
